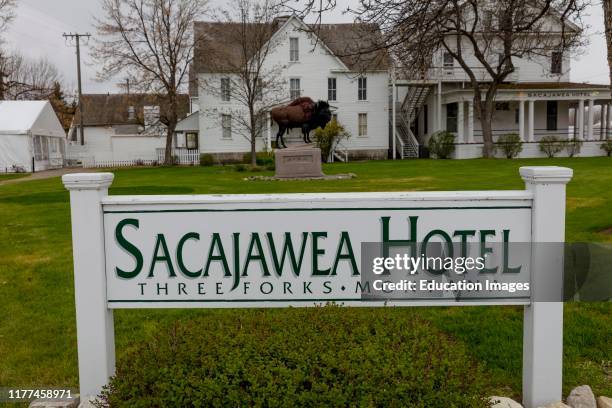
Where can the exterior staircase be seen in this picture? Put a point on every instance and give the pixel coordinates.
(406, 113)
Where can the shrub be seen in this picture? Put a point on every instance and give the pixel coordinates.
(323, 356)
(442, 144)
(550, 145)
(327, 138)
(573, 146)
(207, 159)
(510, 144)
(261, 158)
(607, 147)
(240, 167)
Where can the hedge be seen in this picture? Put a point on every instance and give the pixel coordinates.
(325, 356)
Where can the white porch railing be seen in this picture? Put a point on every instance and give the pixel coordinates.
(339, 151)
(458, 74)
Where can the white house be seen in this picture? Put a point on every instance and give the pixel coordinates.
(31, 137)
(308, 62)
(535, 102)
(120, 129)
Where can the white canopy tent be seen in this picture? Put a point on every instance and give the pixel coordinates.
(31, 136)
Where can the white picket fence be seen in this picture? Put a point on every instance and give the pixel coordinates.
(89, 162)
(181, 156)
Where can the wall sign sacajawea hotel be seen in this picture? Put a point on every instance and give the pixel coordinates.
(355, 249)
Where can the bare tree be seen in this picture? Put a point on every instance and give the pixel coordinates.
(7, 14)
(237, 46)
(28, 79)
(149, 42)
(485, 37)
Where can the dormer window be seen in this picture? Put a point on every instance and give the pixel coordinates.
(294, 49)
(556, 62)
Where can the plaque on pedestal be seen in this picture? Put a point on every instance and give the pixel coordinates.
(298, 162)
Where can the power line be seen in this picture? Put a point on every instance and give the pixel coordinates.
(78, 37)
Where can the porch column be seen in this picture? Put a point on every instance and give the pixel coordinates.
(269, 136)
(603, 120)
(580, 120)
(470, 133)
(521, 120)
(460, 122)
(439, 110)
(590, 120)
(609, 121)
(530, 130)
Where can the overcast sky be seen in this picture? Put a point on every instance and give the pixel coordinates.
(37, 31)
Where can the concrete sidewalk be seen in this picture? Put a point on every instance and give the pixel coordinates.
(48, 174)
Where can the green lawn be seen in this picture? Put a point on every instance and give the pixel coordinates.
(37, 325)
(11, 176)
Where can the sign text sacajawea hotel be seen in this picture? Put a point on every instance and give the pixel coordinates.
(355, 249)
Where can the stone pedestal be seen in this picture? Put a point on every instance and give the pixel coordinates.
(302, 161)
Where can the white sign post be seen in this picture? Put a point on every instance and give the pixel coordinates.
(296, 250)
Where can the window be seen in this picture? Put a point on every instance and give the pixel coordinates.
(451, 117)
(225, 89)
(294, 49)
(37, 147)
(226, 125)
(53, 145)
(294, 88)
(425, 119)
(448, 60)
(556, 63)
(516, 116)
(363, 124)
(191, 140)
(331, 89)
(362, 89)
(551, 115)
(258, 89)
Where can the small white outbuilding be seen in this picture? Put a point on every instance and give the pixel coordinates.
(31, 137)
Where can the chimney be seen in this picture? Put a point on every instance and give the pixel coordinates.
(131, 113)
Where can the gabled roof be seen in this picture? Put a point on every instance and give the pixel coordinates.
(112, 109)
(25, 117)
(19, 116)
(217, 50)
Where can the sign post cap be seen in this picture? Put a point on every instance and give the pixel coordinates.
(546, 174)
(87, 181)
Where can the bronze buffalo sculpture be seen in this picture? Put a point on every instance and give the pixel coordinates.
(303, 113)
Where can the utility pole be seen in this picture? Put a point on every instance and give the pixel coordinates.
(77, 38)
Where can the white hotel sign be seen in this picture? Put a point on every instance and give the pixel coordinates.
(292, 250)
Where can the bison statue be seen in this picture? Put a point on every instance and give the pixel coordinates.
(303, 113)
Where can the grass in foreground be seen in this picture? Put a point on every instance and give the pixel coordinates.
(37, 326)
(11, 176)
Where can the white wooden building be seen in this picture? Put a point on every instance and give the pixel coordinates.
(31, 137)
(120, 129)
(537, 100)
(309, 63)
